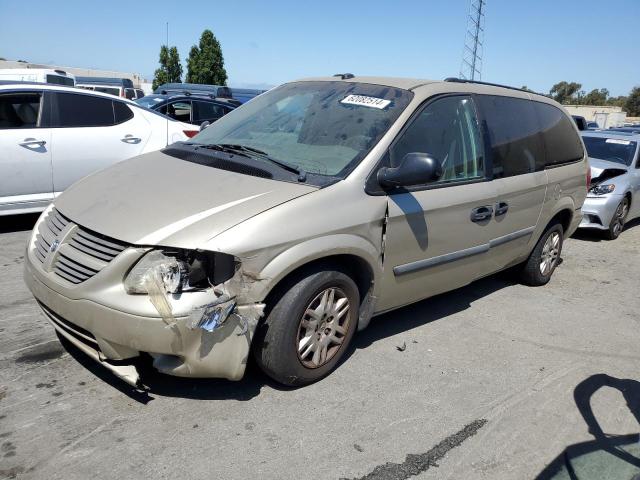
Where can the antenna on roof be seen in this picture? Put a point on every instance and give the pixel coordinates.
(471, 68)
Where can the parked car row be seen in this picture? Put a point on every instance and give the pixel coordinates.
(51, 136)
(283, 227)
(120, 87)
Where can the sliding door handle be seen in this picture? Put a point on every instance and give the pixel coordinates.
(480, 214)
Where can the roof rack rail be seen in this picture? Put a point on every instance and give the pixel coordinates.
(344, 76)
(464, 80)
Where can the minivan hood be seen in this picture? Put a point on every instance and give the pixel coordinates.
(156, 199)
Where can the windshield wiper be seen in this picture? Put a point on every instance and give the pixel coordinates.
(250, 152)
(302, 175)
(219, 148)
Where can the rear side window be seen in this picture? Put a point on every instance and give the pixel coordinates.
(59, 80)
(514, 135)
(74, 110)
(20, 110)
(121, 112)
(561, 141)
(208, 111)
(180, 111)
(110, 90)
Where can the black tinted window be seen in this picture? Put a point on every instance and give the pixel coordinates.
(58, 80)
(562, 143)
(122, 112)
(514, 135)
(19, 110)
(83, 111)
(208, 111)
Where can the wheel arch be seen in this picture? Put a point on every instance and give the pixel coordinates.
(355, 257)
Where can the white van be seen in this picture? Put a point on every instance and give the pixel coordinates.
(39, 75)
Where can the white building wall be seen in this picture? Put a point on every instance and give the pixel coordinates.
(606, 115)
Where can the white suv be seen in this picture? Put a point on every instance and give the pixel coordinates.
(51, 136)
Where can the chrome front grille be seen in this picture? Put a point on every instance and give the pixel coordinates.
(72, 252)
(48, 232)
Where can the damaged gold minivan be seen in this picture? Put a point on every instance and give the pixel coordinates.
(285, 226)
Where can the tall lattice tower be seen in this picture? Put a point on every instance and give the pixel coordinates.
(471, 68)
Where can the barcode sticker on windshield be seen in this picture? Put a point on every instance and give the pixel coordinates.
(364, 101)
(618, 142)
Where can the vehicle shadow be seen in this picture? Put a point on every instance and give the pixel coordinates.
(18, 223)
(593, 235)
(250, 386)
(429, 310)
(616, 455)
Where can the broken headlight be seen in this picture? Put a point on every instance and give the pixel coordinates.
(602, 189)
(176, 271)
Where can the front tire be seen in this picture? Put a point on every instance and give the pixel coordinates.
(617, 222)
(308, 329)
(544, 258)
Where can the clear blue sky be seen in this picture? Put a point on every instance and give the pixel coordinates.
(533, 43)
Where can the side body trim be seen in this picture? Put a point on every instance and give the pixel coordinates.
(460, 254)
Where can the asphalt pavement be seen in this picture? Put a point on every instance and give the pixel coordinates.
(492, 381)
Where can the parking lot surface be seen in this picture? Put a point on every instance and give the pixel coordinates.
(492, 381)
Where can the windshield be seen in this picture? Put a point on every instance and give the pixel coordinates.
(611, 149)
(323, 128)
(150, 100)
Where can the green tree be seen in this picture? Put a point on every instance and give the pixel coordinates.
(205, 63)
(565, 92)
(632, 105)
(596, 97)
(170, 70)
(617, 101)
(526, 89)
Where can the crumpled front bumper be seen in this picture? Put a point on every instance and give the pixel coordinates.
(599, 211)
(112, 336)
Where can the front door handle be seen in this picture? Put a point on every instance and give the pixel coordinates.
(501, 208)
(130, 139)
(30, 142)
(480, 214)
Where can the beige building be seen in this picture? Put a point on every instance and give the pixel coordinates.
(136, 78)
(605, 116)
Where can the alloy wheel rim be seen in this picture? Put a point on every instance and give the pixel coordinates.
(323, 327)
(621, 213)
(550, 253)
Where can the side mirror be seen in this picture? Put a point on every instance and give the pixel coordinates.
(416, 168)
(204, 124)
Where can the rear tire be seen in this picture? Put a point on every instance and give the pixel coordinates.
(617, 222)
(308, 329)
(544, 258)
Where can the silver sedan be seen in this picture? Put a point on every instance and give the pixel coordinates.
(613, 199)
